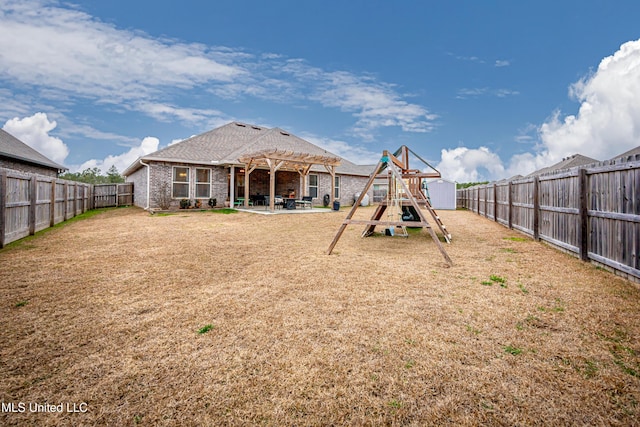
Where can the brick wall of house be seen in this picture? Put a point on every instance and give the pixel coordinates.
(219, 184)
(139, 179)
(160, 183)
(349, 186)
(27, 168)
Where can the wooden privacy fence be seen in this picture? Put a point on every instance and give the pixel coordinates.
(592, 212)
(30, 203)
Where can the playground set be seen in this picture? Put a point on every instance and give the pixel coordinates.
(406, 196)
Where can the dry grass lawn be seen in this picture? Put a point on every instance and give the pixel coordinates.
(107, 311)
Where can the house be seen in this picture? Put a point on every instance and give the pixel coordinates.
(243, 163)
(632, 154)
(18, 156)
(574, 161)
(442, 193)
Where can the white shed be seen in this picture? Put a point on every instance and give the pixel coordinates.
(442, 193)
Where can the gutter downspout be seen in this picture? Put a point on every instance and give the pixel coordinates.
(148, 183)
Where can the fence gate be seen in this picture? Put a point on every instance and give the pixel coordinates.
(109, 195)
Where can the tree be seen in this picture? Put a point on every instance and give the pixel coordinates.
(94, 176)
(469, 184)
(113, 175)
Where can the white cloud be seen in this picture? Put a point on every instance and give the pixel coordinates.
(465, 93)
(608, 121)
(464, 164)
(121, 161)
(34, 131)
(502, 63)
(66, 51)
(375, 104)
(356, 154)
(167, 113)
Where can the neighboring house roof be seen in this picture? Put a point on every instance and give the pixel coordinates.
(630, 153)
(13, 148)
(566, 163)
(226, 144)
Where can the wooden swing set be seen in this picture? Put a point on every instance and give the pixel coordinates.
(405, 197)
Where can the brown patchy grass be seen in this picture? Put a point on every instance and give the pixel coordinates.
(207, 319)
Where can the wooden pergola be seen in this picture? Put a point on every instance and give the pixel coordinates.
(275, 160)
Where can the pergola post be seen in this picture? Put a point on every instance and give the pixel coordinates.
(304, 174)
(272, 185)
(246, 186)
(232, 186)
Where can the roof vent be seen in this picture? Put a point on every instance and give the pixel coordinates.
(283, 133)
(256, 127)
(241, 125)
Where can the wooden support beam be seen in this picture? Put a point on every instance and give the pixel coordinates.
(247, 191)
(393, 159)
(272, 186)
(232, 186)
(388, 223)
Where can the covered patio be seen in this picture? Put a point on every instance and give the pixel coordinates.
(274, 160)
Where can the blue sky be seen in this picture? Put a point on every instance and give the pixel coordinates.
(483, 90)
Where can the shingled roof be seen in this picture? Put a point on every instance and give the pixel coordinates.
(11, 147)
(631, 153)
(228, 143)
(567, 163)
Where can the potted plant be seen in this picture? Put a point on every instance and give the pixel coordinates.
(185, 203)
(226, 203)
(197, 203)
(212, 203)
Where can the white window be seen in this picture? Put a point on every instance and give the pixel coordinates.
(203, 183)
(336, 188)
(313, 186)
(180, 185)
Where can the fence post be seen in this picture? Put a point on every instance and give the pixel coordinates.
(583, 217)
(84, 194)
(476, 198)
(486, 201)
(3, 205)
(65, 195)
(536, 208)
(52, 210)
(510, 205)
(76, 190)
(33, 200)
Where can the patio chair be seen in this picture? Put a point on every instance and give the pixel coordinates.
(306, 201)
(277, 202)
